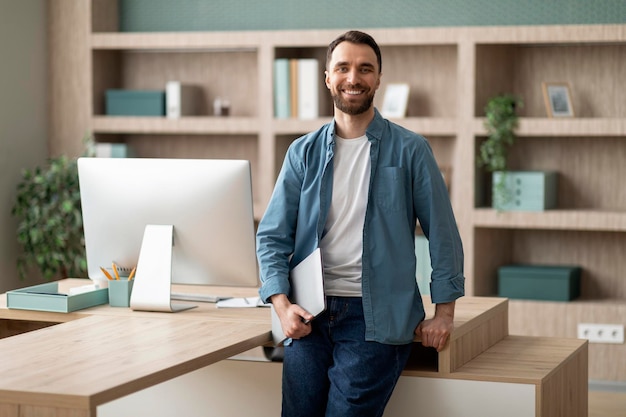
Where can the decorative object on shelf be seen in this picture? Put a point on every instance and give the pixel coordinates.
(135, 103)
(558, 99)
(50, 228)
(181, 99)
(500, 123)
(539, 282)
(221, 107)
(395, 101)
(528, 190)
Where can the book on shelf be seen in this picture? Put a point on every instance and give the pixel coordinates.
(282, 95)
(181, 99)
(308, 88)
(113, 150)
(296, 88)
(293, 87)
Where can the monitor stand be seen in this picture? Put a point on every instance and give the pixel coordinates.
(153, 280)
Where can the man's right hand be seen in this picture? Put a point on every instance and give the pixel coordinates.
(294, 320)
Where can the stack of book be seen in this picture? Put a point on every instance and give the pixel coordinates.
(296, 88)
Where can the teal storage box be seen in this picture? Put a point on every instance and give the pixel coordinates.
(45, 297)
(135, 103)
(525, 190)
(533, 282)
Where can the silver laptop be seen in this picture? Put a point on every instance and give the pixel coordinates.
(307, 290)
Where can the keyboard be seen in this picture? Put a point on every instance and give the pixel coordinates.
(200, 298)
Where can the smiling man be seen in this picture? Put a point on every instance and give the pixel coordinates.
(356, 189)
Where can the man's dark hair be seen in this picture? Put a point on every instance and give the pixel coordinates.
(357, 37)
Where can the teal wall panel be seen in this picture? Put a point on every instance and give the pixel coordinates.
(218, 15)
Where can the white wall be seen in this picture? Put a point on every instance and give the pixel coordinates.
(23, 114)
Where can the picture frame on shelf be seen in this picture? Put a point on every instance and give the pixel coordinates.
(558, 99)
(395, 100)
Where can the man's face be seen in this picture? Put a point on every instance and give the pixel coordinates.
(353, 77)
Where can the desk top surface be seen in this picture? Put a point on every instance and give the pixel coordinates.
(87, 362)
(102, 353)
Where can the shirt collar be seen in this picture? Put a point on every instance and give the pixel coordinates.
(374, 131)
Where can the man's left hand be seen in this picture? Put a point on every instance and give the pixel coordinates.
(435, 332)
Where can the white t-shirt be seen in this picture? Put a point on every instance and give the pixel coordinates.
(342, 245)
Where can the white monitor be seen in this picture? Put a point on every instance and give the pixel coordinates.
(208, 203)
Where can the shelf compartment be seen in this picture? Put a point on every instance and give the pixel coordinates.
(432, 78)
(590, 68)
(591, 170)
(600, 254)
(216, 74)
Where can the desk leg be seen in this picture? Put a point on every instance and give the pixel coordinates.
(21, 410)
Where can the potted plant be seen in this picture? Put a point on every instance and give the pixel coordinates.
(500, 123)
(50, 228)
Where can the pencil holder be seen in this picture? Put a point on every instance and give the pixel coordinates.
(119, 292)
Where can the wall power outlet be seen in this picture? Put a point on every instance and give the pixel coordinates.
(601, 333)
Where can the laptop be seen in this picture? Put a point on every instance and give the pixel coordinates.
(307, 290)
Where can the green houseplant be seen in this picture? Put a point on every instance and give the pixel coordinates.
(50, 227)
(501, 120)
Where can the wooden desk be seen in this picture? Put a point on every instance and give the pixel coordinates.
(100, 354)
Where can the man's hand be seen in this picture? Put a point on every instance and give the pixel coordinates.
(294, 320)
(436, 331)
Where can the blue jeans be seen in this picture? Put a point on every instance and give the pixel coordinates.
(334, 372)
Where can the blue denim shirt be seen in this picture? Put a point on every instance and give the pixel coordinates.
(406, 186)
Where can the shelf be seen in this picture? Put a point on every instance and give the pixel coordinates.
(426, 126)
(563, 127)
(178, 41)
(581, 220)
(184, 125)
(581, 303)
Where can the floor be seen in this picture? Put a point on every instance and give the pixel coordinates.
(607, 404)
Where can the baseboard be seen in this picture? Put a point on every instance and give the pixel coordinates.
(600, 385)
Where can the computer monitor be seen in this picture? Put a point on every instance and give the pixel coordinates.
(208, 203)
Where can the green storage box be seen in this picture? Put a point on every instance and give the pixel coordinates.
(45, 297)
(532, 282)
(135, 103)
(526, 190)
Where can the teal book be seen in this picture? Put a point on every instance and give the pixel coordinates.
(282, 89)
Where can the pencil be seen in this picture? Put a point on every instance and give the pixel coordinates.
(106, 273)
(132, 274)
(117, 274)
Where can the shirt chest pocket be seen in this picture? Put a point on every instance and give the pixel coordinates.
(390, 189)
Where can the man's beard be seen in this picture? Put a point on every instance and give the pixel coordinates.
(352, 109)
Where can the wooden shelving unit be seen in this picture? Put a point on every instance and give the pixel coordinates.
(452, 73)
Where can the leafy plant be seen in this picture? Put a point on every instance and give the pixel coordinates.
(50, 229)
(500, 122)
